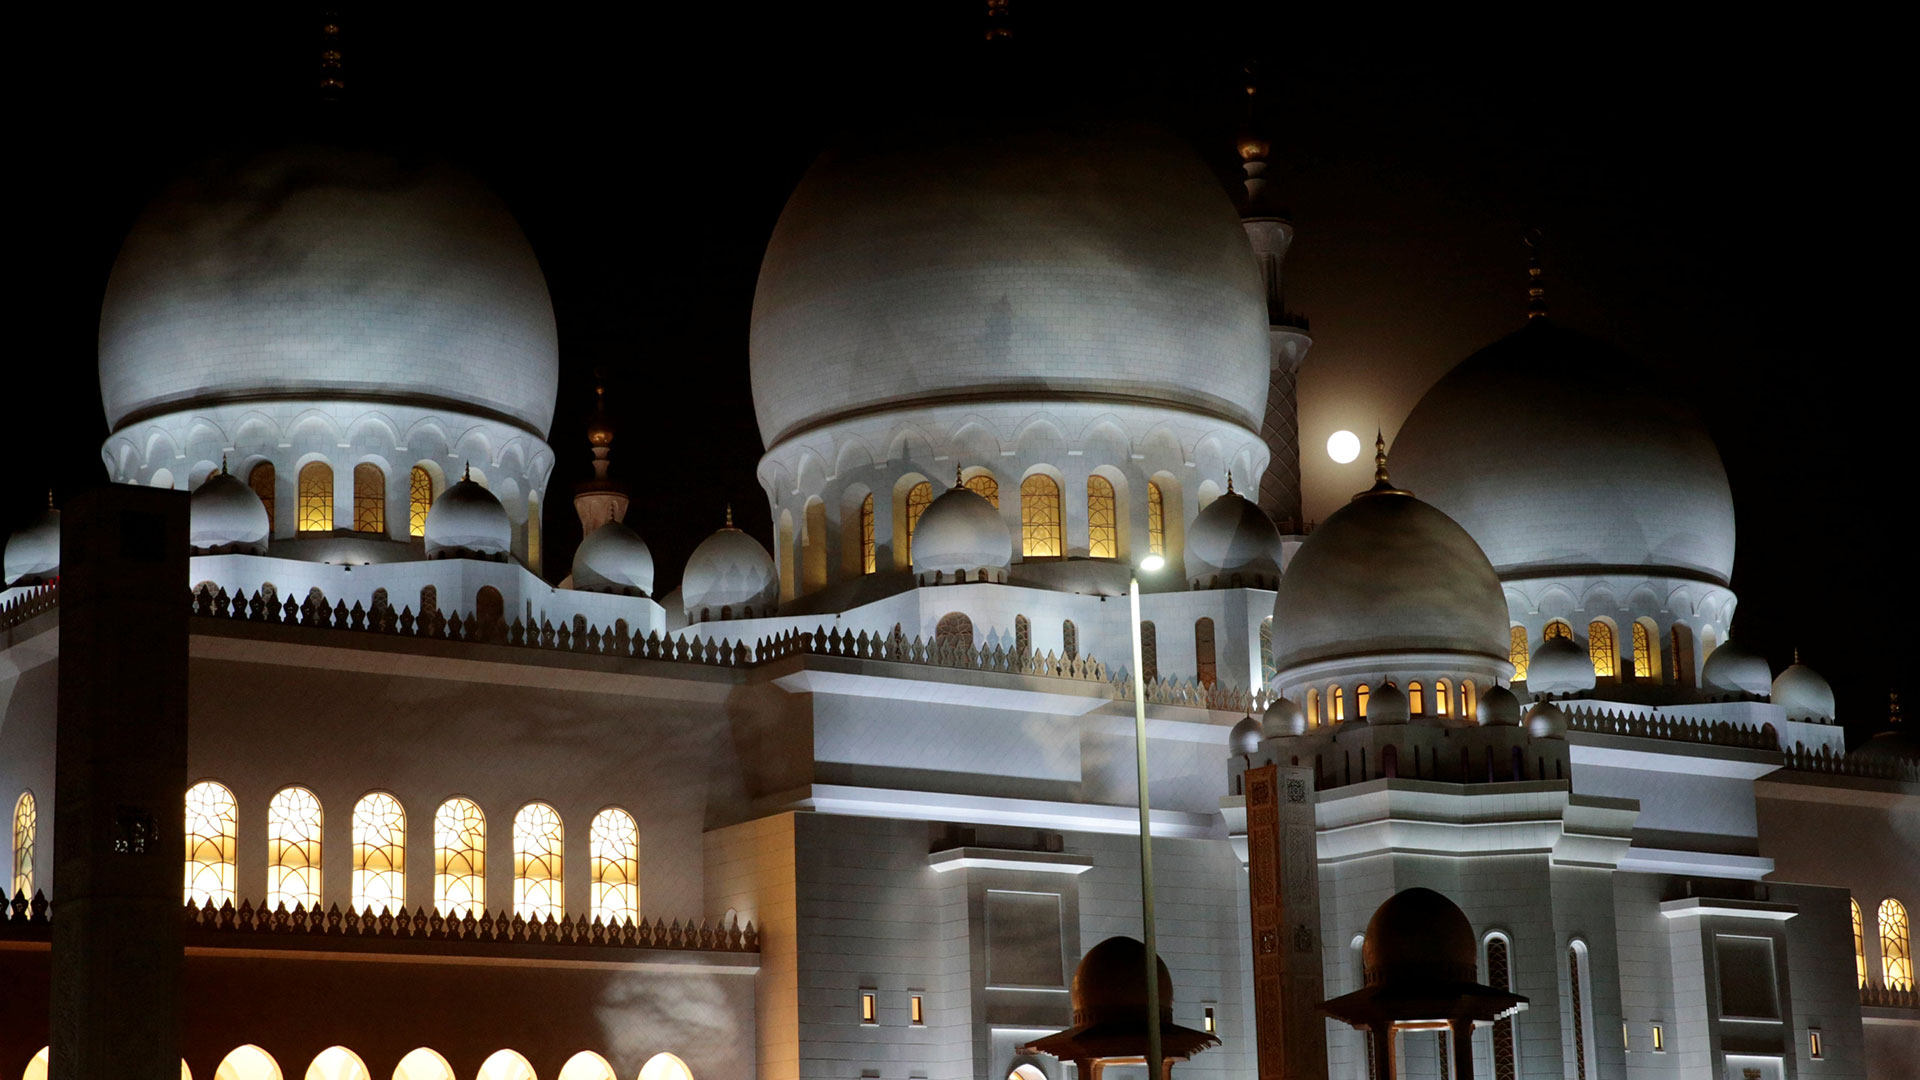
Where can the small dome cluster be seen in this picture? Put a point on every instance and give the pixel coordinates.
(729, 575)
(1737, 669)
(613, 559)
(466, 521)
(33, 552)
(226, 516)
(961, 533)
(1233, 543)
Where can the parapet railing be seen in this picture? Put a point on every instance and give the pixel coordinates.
(21, 608)
(1196, 694)
(1826, 761)
(1673, 728)
(1890, 997)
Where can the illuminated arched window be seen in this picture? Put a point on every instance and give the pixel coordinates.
(1039, 516)
(1149, 652)
(1313, 708)
(379, 854)
(1156, 520)
(1556, 629)
(506, 1065)
(369, 499)
(37, 1065)
(1600, 647)
(1517, 652)
(419, 501)
(260, 479)
(316, 497)
(293, 849)
(1204, 664)
(665, 1067)
(613, 845)
(337, 1063)
(1469, 700)
(212, 842)
(1416, 703)
(248, 1063)
(422, 1063)
(459, 859)
(1336, 704)
(1442, 698)
(587, 1065)
(1642, 652)
(1896, 946)
(535, 528)
(537, 847)
(1103, 525)
(1267, 670)
(1859, 945)
(1360, 696)
(26, 826)
(919, 497)
(985, 486)
(866, 534)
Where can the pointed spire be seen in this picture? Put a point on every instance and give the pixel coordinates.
(1796, 654)
(49, 498)
(1382, 483)
(1536, 288)
(223, 466)
(468, 476)
(957, 482)
(1230, 482)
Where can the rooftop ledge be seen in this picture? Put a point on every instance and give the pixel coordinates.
(1739, 909)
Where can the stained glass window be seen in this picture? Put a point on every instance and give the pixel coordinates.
(1039, 516)
(212, 825)
(459, 859)
(614, 847)
(379, 854)
(1103, 530)
(1517, 652)
(919, 497)
(1156, 520)
(316, 497)
(293, 849)
(1642, 652)
(866, 534)
(986, 487)
(537, 854)
(1556, 629)
(419, 501)
(26, 826)
(1859, 945)
(260, 479)
(1600, 648)
(1204, 664)
(369, 499)
(1896, 946)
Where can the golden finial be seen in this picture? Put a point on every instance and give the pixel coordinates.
(467, 476)
(1536, 288)
(1796, 654)
(957, 482)
(729, 515)
(1382, 483)
(49, 498)
(1229, 481)
(223, 465)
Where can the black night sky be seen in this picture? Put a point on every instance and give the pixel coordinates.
(1718, 200)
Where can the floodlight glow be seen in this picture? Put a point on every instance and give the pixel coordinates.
(1343, 446)
(1152, 563)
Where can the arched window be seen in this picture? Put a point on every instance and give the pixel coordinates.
(1360, 696)
(248, 1063)
(1267, 670)
(212, 842)
(587, 1065)
(984, 485)
(260, 479)
(1557, 628)
(665, 1066)
(26, 826)
(919, 497)
(1026, 1072)
(866, 534)
(379, 854)
(459, 859)
(423, 1063)
(1643, 659)
(1149, 652)
(293, 850)
(369, 499)
(419, 500)
(535, 527)
(1022, 635)
(506, 1065)
(1859, 945)
(1500, 977)
(1416, 702)
(954, 630)
(1313, 708)
(1156, 520)
(1469, 700)
(1070, 640)
(1204, 664)
(1517, 652)
(1442, 698)
(613, 846)
(1103, 527)
(1682, 658)
(337, 1063)
(1336, 704)
(1600, 647)
(1039, 516)
(316, 497)
(1579, 994)
(1896, 946)
(537, 853)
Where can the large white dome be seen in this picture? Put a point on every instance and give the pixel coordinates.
(327, 274)
(729, 569)
(1025, 265)
(1589, 469)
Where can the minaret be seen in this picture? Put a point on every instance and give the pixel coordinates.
(1271, 234)
(599, 500)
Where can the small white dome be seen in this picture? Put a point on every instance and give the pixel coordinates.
(729, 570)
(961, 531)
(1387, 704)
(613, 558)
(1803, 693)
(1245, 737)
(1560, 666)
(225, 515)
(33, 553)
(1283, 717)
(466, 521)
(1734, 667)
(1546, 721)
(1232, 536)
(1499, 708)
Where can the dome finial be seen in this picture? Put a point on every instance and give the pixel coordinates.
(1536, 288)
(467, 475)
(223, 465)
(1796, 654)
(49, 498)
(729, 515)
(1229, 481)
(957, 481)
(1382, 483)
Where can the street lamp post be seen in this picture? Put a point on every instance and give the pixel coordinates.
(1155, 1066)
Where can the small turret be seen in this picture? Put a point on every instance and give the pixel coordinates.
(600, 499)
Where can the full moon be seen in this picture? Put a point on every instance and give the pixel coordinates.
(1343, 446)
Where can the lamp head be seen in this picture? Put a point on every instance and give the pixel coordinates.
(1152, 563)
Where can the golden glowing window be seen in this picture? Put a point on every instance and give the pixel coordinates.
(613, 843)
(537, 847)
(421, 1063)
(1642, 652)
(1336, 704)
(316, 497)
(419, 501)
(664, 1066)
(1660, 1040)
(534, 529)
(293, 850)
(1859, 945)
(1206, 668)
(1415, 702)
(587, 1065)
(212, 841)
(986, 487)
(1039, 516)
(459, 859)
(1896, 946)
(1360, 696)
(26, 825)
(1600, 648)
(336, 1063)
(1313, 708)
(379, 854)
(1813, 1043)
(248, 1063)
(866, 534)
(919, 497)
(369, 499)
(1556, 629)
(1442, 698)
(1469, 701)
(506, 1065)
(1207, 1021)
(1517, 652)
(1103, 528)
(260, 479)
(917, 1010)
(1156, 520)
(868, 1010)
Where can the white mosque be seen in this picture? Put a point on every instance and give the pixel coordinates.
(855, 802)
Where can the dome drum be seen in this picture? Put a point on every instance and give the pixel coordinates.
(1312, 685)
